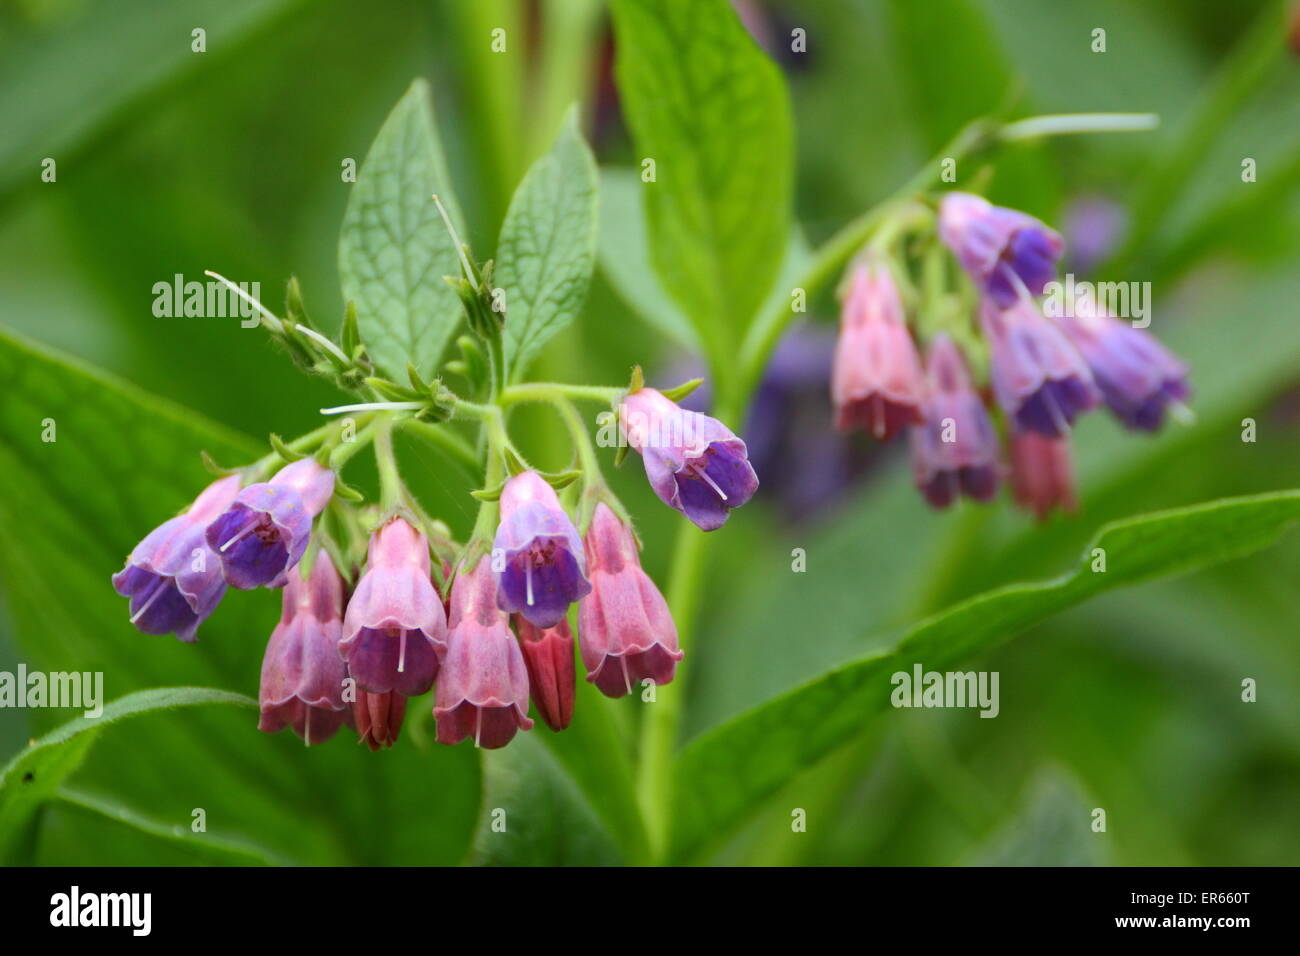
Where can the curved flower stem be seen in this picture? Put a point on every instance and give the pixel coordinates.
(391, 489)
(551, 391)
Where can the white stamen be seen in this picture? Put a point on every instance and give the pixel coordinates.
(401, 654)
(627, 678)
(712, 484)
(243, 534)
(478, 725)
(1058, 417)
(528, 578)
(158, 589)
(306, 726)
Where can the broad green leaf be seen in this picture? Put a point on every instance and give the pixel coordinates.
(726, 772)
(711, 111)
(394, 249)
(63, 79)
(548, 246)
(625, 257)
(70, 510)
(35, 775)
(534, 814)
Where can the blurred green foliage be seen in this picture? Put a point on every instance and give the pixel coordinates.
(171, 161)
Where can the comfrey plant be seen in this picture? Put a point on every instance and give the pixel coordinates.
(381, 604)
(1042, 373)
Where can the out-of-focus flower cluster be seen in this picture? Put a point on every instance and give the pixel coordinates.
(892, 375)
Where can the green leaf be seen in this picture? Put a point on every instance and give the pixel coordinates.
(548, 246)
(534, 814)
(625, 257)
(394, 249)
(70, 510)
(35, 775)
(726, 772)
(712, 112)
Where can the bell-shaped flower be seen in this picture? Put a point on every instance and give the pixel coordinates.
(302, 673)
(483, 685)
(876, 381)
(172, 577)
(538, 554)
(378, 718)
(1008, 254)
(264, 532)
(625, 629)
(1040, 379)
(395, 628)
(955, 452)
(693, 462)
(1042, 473)
(1138, 377)
(548, 655)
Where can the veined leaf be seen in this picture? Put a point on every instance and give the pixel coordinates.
(548, 246)
(35, 775)
(394, 249)
(725, 773)
(712, 113)
(534, 814)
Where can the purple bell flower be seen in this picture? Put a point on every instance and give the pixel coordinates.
(956, 451)
(544, 569)
(1039, 378)
(1137, 375)
(1008, 253)
(395, 629)
(695, 464)
(302, 673)
(172, 577)
(264, 532)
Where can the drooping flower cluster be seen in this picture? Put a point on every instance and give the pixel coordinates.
(371, 620)
(1043, 372)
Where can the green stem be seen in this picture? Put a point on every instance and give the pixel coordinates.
(551, 391)
(390, 480)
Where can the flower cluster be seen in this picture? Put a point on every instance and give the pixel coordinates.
(380, 604)
(1042, 372)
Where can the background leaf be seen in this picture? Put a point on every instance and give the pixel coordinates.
(712, 111)
(730, 768)
(547, 247)
(35, 775)
(394, 249)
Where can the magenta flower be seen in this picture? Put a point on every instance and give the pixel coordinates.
(548, 655)
(1007, 253)
(302, 673)
(483, 687)
(172, 577)
(876, 383)
(543, 569)
(264, 532)
(694, 463)
(1039, 378)
(956, 451)
(395, 629)
(378, 718)
(626, 631)
(1137, 375)
(1042, 473)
